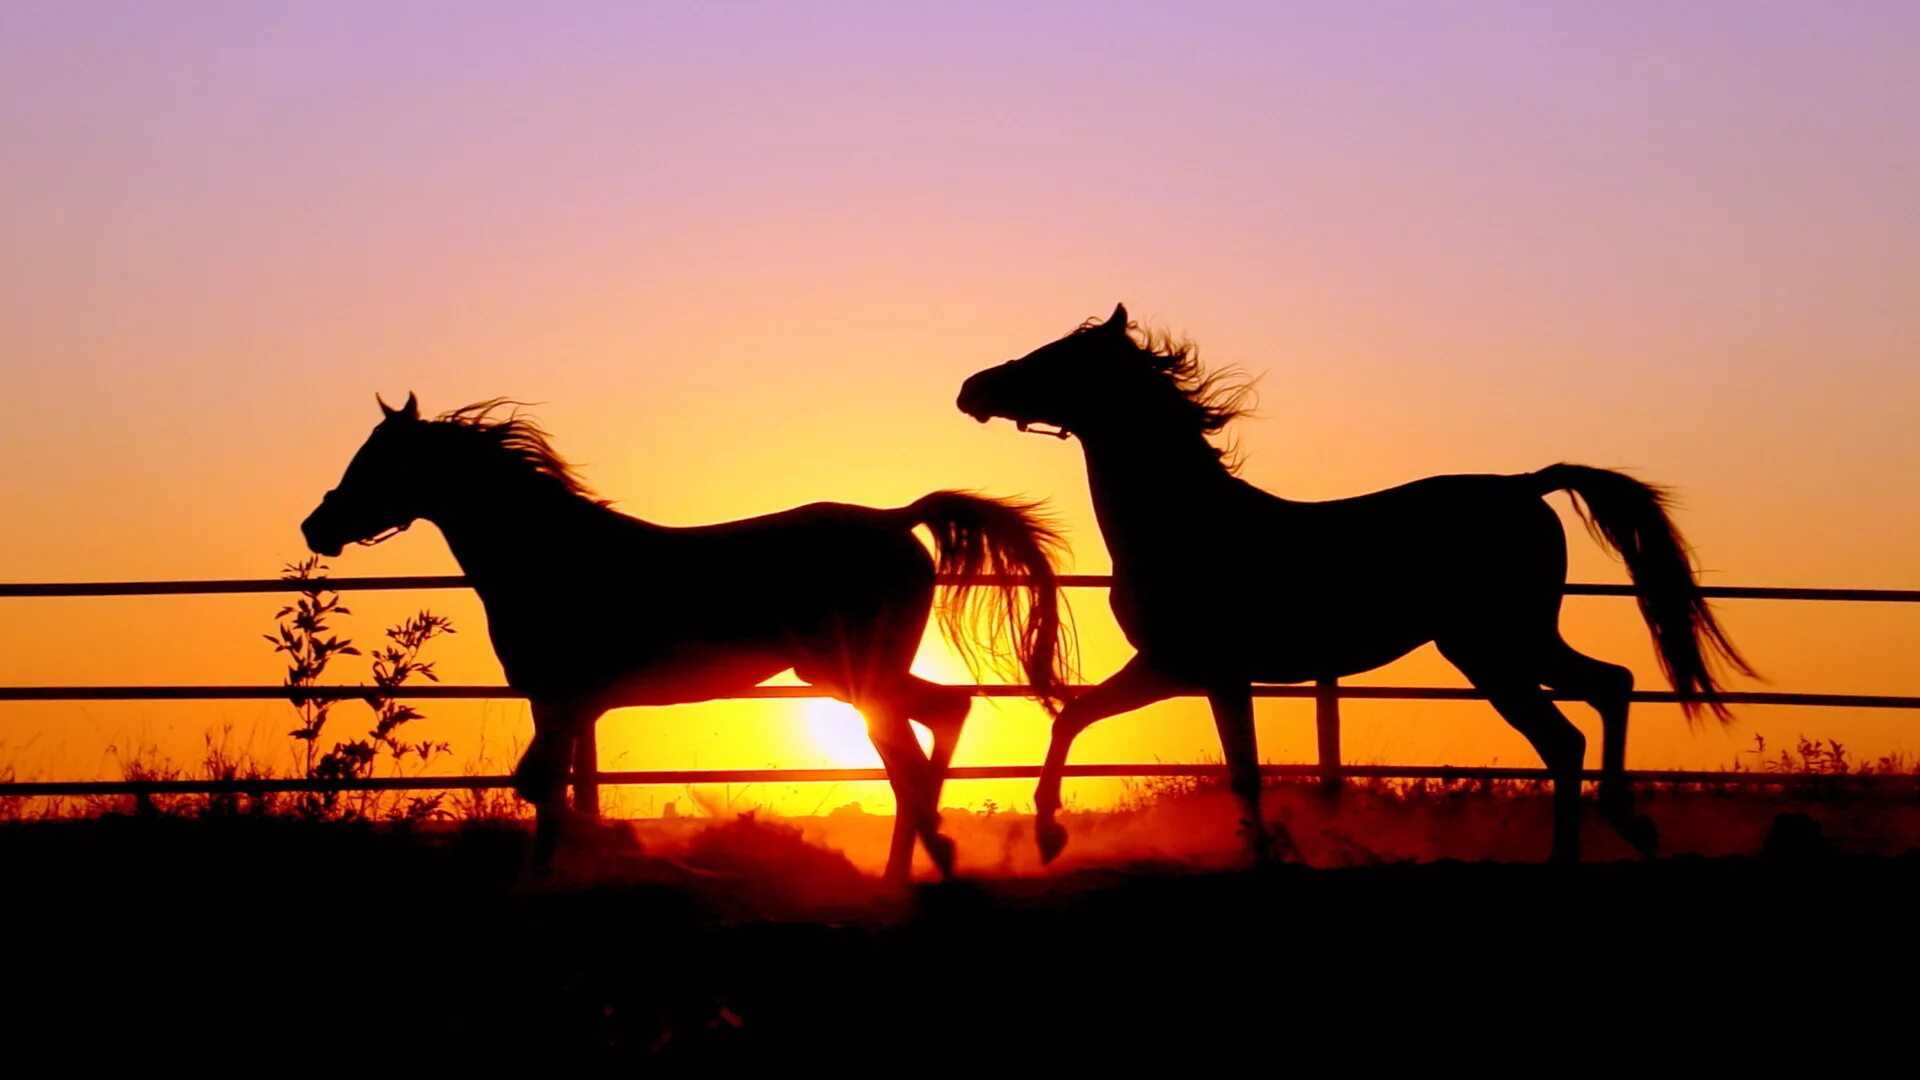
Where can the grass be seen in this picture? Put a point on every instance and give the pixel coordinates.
(1165, 820)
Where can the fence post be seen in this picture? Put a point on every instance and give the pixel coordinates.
(586, 772)
(1326, 717)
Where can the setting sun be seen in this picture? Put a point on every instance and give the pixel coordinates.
(836, 729)
(839, 733)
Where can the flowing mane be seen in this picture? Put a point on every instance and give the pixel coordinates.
(1209, 399)
(515, 442)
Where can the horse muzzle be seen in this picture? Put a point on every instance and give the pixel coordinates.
(972, 400)
(983, 395)
(330, 548)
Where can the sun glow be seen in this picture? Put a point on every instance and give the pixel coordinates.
(839, 732)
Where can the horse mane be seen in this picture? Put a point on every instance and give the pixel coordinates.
(1210, 400)
(516, 441)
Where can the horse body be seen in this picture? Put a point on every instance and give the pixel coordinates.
(590, 609)
(1219, 585)
(685, 614)
(1353, 583)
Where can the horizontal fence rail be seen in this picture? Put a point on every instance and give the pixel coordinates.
(1327, 694)
(1119, 770)
(1015, 690)
(1072, 581)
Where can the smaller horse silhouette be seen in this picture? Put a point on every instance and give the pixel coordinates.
(1218, 584)
(590, 609)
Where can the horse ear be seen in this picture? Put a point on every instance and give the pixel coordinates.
(1118, 320)
(409, 411)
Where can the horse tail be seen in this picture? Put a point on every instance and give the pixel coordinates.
(1633, 519)
(998, 556)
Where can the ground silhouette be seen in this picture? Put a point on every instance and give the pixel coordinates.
(239, 947)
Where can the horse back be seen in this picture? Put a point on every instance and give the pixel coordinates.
(630, 597)
(1290, 591)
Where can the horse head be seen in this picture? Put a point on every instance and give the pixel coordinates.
(1056, 385)
(373, 500)
(1109, 378)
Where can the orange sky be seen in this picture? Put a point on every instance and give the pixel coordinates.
(744, 261)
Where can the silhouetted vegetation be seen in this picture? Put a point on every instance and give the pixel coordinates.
(305, 636)
(1862, 807)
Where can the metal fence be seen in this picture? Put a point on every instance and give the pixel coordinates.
(1326, 694)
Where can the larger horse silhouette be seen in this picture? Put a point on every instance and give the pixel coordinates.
(590, 609)
(1218, 584)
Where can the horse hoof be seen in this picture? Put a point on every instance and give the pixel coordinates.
(1264, 846)
(940, 848)
(1565, 853)
(1051, 836)
(1636, 829)
(1275, 845)
(1640, 831)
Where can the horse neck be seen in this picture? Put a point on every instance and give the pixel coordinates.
(1145, 485)
(496, 530)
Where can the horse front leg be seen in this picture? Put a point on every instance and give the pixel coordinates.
(1135, 685)
(541, 778)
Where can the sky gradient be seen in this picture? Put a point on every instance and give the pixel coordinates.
(744, 255)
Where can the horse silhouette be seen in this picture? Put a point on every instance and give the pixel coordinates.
(1219, 584)
(590, 609)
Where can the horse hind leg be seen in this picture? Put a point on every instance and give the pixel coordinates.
(1608, 688)
(1518, 697)
(943, 710)
(915, 790)
(886, 695)
(1233, 717)
(900, 844)
(914, 782)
